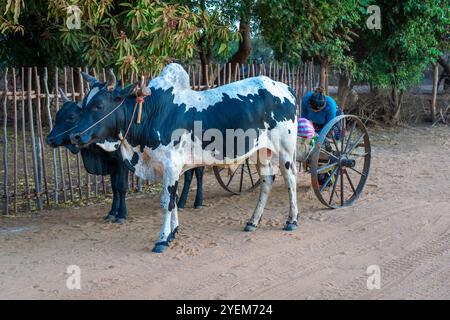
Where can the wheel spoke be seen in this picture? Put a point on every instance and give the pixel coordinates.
(327, 181)
(358, 154)
(350, 182)
(250, 173)
(326, 167)
(360, 173)
(231, 177)
(335, 142)
(334, 188)
(242, 178)
(356, 143)
(342, 187)
(350, 136)
(328, 153)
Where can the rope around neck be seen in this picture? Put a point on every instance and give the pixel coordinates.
(129, 124)
(100, 120)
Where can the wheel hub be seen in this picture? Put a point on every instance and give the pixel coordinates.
(345, 162)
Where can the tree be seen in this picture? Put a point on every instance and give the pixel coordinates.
(142, 35)
(311, 28)
(242, 11)
(216, 33)
(403, 48)
(444, 46)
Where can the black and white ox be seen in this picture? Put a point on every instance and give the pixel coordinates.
(182, 129)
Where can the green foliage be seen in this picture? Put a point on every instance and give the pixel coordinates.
(136, 36)
(260, 50)
(408, 41)
(216, 30)
(298, 30)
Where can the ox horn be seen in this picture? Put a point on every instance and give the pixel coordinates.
(63, 96)
(142, 89)
(92, 80)
(111, 80)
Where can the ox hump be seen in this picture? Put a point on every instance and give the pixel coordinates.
(172, 76)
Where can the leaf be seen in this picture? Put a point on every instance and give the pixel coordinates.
(222, 48)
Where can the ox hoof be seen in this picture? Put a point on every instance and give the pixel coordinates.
(160, 247)
(119, 221)
(290, 226)
(109, 218)
(249, 227)
(172, 235)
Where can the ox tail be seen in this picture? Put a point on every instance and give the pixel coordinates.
(294, 160)
(294, 94)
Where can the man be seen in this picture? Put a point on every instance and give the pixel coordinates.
(319, 108)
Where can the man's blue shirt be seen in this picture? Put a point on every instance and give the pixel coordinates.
(323, 116)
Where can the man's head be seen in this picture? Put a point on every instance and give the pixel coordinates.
(318, 100)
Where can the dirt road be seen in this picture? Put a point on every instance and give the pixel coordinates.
(400, 224)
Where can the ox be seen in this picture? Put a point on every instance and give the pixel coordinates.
(96, 160)
(167, 142)
(188, 175)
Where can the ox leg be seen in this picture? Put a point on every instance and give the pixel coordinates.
(122, 186)
(168, 204)
(187, 184)
(266, 175)
(289, 172)
(111, 216)
(173, 225)
(199, 196)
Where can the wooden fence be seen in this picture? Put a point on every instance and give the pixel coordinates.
(35, 176)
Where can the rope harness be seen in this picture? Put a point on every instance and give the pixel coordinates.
(139, 102)
(60, 134)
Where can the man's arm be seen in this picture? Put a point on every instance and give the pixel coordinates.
(331, 110)
(305, 102)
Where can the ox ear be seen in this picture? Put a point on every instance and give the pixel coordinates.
(111, 80)
(92, 80)
(63, 96)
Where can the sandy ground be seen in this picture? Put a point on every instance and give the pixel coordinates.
(401, 224)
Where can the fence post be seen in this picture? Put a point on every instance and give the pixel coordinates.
(89, 87)
(24, 141)
(5, 144)
(218, 75)
(43, 169)
(15, 138)
(50, 124)
(60, 159)
(88, 176)
(37, 188)
(38, 140)
(80, 193)
(69, 171)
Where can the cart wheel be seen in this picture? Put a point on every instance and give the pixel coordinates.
(340, 162)
(240, 179)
